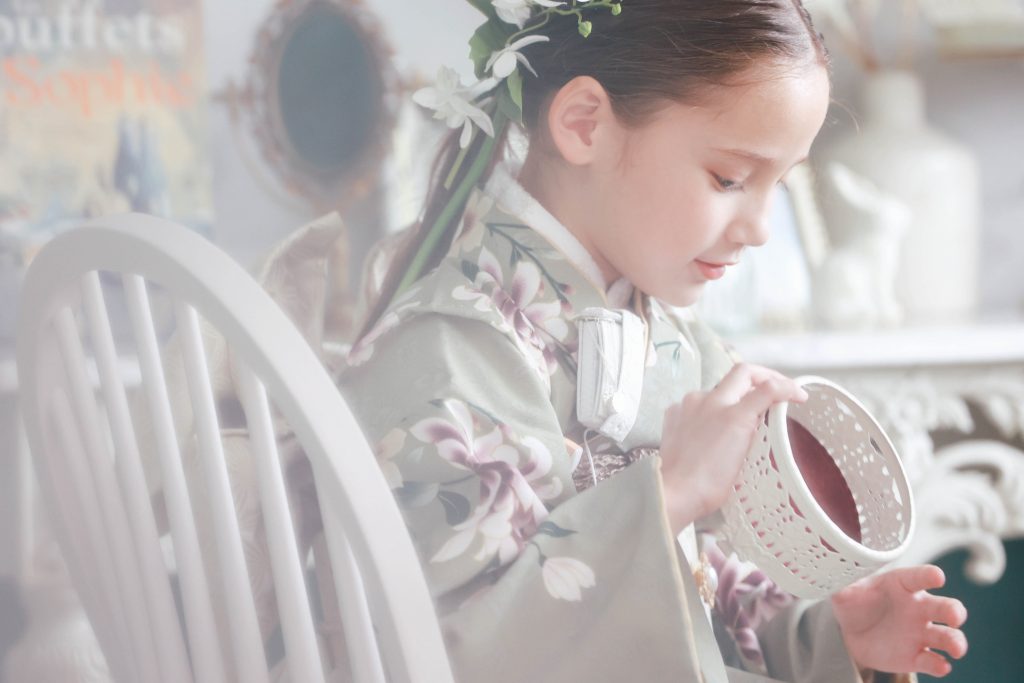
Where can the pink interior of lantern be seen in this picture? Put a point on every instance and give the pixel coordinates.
(824, 479)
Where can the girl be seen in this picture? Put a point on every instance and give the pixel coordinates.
(658, 130)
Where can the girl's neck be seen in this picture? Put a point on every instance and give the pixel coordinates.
(560, 189)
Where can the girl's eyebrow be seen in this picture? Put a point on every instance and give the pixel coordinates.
(746, 154)
(755, 157)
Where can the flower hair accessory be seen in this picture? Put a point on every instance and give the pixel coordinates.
(496, 50)
(487, 106)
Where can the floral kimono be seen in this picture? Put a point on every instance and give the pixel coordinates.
(467, 386)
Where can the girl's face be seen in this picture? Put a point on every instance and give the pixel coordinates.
(677, 200)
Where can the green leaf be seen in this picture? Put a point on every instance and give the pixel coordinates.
(456, 507)
(511, 110)
(552, 529)
(487, 39)
(515, 89)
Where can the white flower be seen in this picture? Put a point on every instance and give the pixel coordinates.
(518, 11)
(452, 102)
(503, 62)
(565, 577)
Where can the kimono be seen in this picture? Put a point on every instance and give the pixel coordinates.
(467, 388)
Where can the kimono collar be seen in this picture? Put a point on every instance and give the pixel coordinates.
(514, 199)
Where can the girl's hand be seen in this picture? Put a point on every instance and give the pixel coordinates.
(706, 436)
(890, 623)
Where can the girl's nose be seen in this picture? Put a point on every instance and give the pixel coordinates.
(751, 226)
(751, 229)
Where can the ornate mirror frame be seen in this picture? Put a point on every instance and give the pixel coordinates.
(297, 30)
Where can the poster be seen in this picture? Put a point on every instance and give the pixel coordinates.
(101, 111)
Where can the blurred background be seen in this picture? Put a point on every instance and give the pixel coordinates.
(897, 264)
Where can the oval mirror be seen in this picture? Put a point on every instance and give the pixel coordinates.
(322, 91)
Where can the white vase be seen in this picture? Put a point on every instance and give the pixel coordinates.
(935, 176)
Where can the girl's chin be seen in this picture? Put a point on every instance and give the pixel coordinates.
(684, 296)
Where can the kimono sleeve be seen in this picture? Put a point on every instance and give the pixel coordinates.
(533, 582)
(803, 644)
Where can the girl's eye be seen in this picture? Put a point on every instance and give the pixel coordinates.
(726, 184)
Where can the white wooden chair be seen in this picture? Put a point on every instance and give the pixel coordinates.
(87, 461)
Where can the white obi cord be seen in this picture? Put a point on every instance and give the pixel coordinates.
(610, 377)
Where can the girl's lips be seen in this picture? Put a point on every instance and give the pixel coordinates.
(712, 271)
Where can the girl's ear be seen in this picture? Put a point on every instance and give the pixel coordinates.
(580, 119)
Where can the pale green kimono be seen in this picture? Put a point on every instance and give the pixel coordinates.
(467, 387)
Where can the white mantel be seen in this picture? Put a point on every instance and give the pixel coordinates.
(992, 341)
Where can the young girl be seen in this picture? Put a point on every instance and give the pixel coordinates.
(658, 131)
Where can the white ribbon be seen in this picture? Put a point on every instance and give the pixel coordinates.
(610, 377)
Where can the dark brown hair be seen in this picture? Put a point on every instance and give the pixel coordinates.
(654, 52)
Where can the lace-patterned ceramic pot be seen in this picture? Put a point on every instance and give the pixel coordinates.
(822, 499)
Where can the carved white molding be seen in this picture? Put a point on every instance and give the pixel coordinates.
(972, 498)
(913, 403)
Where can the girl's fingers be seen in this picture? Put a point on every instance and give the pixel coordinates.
(740, 379)
(932, 663)
(948, 611)
(952, 641)
(920, 578)
(765, 395)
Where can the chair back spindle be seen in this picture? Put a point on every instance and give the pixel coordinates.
(152, 509)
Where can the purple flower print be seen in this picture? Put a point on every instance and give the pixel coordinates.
(745, 598)
(513, 478)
